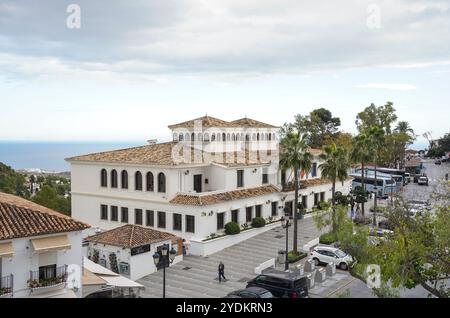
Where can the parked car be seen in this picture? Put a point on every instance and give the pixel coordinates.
(385, 225)
(407, 177)
(328, 254)
(423, 181)
(251, 292)
(282, 284)
(438, 162)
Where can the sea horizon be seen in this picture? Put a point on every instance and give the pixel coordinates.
(50, 155)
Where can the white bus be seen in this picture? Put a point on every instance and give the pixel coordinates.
(396, 174)
(384, 188)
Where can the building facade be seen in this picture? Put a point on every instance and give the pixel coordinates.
(211, 173)
(40, 251)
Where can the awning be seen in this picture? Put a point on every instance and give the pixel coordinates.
(6, 249)
(52, 243)
(122, 282)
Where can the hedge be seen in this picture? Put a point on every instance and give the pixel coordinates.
(292, 258)
(258, 222)
(232, 228)
(327, 238)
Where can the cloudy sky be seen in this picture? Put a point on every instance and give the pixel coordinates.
(134, 67)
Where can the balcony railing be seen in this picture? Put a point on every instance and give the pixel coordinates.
(46, 279)
(6, 285)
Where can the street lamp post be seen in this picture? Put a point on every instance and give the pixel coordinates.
(165, 260)
(285, 223)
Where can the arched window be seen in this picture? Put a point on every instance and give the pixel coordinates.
(213, 137)
(138, 181)
(219, 137)
(206, 137)
(149, 182)
(161, 182)
(224, 137)
(270, 136)
(186, 137)
(175, 137)
(199, 137)
(104, 178)
(192, 137)
(247, 137)
(181, 137)
(228, 137)
(124, 179)
(257, 136)
(114, 178)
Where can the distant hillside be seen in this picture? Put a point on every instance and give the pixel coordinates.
(12, 182)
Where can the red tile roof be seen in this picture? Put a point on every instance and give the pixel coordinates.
(23, 218)
(209, 199)
(130, 236)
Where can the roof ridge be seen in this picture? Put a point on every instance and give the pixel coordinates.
(131, 235)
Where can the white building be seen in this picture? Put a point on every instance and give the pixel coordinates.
(128, 250)
(40, 250)
(213, 172)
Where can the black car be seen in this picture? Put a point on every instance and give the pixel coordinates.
(282, 284)
(437, 162)
(251, 292)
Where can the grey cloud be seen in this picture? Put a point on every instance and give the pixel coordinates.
(194, 37)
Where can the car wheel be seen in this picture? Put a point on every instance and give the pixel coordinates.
(343, 266)
(316, 261)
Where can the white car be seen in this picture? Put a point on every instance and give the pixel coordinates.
(423, 181)
(328, 254)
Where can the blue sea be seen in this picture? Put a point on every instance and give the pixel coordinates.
(50, 156)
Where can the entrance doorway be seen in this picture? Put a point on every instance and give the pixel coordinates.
(198, 183)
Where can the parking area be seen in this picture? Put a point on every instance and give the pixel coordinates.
(196, 277)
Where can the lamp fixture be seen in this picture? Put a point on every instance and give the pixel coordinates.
(186, 172)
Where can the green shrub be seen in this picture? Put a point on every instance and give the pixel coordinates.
(232, 228)
(294, 258)
(258, 222)
(323, 206)
(327, 238)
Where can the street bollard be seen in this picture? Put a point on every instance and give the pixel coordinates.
(311, 280)
(331, 269)
(300, 269)
(310, 266)
(321, 275)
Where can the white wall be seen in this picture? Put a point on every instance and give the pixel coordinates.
(140, 265)
(25, 260)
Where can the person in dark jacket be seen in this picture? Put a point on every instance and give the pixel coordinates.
(221, 272)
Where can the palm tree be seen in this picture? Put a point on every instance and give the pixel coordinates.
(405, 136)
(376, 142)
(335, 167)
(362, 152)
(295, 156)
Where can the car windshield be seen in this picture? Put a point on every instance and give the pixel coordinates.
(266, 295)
(340, 253)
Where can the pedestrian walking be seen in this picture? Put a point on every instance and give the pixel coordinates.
(221, 270)
(184, 247)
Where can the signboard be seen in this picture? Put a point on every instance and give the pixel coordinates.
(140, 249)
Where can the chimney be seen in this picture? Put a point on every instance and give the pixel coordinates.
(152, 141)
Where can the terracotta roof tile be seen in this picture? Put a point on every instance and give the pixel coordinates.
(209, 122)
(158, 154)
(130, 236)
(251, 123)
(206, 121)
(208, 199)
(23, 218)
